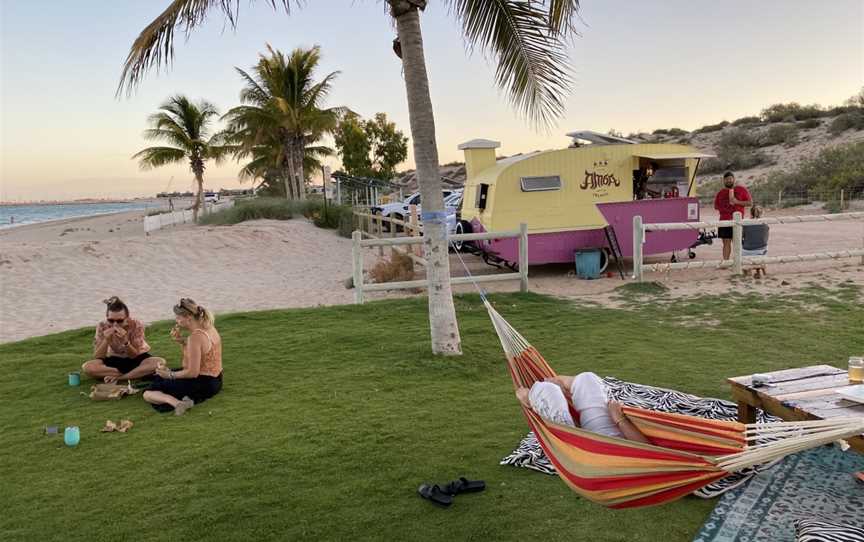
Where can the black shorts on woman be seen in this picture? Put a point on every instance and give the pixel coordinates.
(124, 365)
(199, 389)
(724, 233)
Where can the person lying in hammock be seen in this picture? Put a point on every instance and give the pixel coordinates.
(587, 392)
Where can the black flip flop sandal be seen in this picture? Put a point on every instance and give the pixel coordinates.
(435, 494)
(463, 485)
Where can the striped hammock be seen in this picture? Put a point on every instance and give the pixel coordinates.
(685, 452)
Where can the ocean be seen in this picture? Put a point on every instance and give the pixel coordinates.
(16, 215)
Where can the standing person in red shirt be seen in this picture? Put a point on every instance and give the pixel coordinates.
(730, 199)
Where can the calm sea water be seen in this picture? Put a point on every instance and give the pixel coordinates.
(32, 214)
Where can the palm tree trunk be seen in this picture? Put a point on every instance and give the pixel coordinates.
(196, 207)
(299, 177)
(442, 313)
(288, 173)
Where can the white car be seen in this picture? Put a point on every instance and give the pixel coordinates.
(400, 209)
(211, 197)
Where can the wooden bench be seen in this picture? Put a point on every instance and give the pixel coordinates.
(806, 393)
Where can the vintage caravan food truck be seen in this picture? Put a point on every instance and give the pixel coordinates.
(569, 196)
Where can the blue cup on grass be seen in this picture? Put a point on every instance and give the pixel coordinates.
(74, 379)
(72, 436)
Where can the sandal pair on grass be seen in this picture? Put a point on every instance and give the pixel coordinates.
(444, 496)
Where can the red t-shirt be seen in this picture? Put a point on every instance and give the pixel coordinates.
(721, 202)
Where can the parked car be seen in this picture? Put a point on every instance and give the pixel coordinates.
(211, 197)
(400, 209)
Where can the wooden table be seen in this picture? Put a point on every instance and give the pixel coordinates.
(806, 393)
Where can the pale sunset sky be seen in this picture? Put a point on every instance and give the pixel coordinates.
(639, 65)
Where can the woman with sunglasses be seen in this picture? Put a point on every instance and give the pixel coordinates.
(120, 350)
(200, 378)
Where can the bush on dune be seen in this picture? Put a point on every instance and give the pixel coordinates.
(251, 209)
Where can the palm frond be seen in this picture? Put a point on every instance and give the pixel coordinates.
(526, 41)
(154, 47)
(153, 157)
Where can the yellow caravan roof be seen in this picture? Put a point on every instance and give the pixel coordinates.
(676, 155)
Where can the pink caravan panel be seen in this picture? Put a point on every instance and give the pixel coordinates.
(543, 248)
(620, 217)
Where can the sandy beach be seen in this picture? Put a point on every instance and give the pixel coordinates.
(53, 276)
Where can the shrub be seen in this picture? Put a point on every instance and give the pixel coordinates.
(786, 134)
(834, 168)
(251, 209)
(809, 124)
(712, 128)
(738, 137)
(746, 120)
(398, 268)
(847, 121)
(791, 112)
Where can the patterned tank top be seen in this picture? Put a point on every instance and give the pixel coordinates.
(211, 360)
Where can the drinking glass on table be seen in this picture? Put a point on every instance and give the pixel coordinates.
(856, 369)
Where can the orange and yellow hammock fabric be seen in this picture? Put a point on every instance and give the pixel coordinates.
(685, 453)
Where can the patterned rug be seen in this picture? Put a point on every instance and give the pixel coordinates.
(816, 484)
(530, 455)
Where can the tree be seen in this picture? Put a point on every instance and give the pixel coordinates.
(185, 125)
(371, 148)
(282, 109)
(857, 100)
(528, 41)
(352, 144)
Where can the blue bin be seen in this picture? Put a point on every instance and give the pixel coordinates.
(588, 263)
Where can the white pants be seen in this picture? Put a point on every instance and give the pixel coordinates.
(588, 394)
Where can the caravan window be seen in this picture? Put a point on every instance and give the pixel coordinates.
(539, 184)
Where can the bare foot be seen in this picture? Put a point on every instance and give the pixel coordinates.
(183, 406)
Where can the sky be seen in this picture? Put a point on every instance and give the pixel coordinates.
(638, 65)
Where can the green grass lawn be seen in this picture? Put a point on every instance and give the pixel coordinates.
(331, 417)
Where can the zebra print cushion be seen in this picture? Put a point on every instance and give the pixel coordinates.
(817, 530)
(530, 455)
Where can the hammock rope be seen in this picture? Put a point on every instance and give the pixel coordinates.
(684, 453)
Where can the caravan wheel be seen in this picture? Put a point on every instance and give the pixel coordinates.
(462, 227)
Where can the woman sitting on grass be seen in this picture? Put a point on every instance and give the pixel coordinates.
(201, 375)
(588, 394)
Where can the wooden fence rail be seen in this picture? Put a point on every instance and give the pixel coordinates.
(738, 261)
(394, 242)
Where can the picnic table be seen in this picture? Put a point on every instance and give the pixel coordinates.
(805, 393)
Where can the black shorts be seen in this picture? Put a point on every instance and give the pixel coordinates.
(724, 233)
(124, 365)
(199, 389)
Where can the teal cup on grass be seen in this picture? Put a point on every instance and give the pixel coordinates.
(74, 379)
(72, 436)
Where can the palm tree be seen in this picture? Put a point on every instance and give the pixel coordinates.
(185, 125)
(282, 108)
(266, 160)
(526, 38)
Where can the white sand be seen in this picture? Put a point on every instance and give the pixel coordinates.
(54, 276)
(51, 281)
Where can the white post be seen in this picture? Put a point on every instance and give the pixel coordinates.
(523, 257)
(380, 230)
(638, 239)
(737, 237)
(357, 252)
(779, 199)
(338, 191)
(841, 198)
